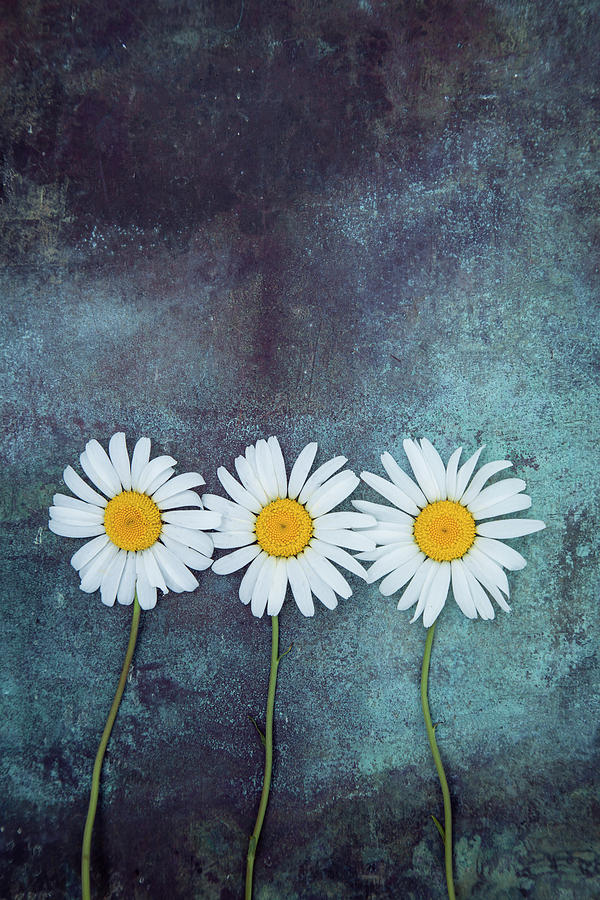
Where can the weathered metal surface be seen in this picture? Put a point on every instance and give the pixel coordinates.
(347, 222)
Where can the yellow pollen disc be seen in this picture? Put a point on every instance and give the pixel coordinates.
(283, 528)
(132, 521)
(444, 530)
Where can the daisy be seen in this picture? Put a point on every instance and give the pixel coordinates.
(284, 529)
(141, 538)
(445, 529)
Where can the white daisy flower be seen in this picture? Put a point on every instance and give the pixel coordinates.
(438, 531)
(141, 538)
(285, 528)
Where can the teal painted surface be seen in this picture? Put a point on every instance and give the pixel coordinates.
(432, 271)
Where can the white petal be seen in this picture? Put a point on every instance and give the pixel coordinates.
(398, 578)
(139, 460)
(489, 574)
(328, 573)
(436, 467)
(465, 472)
(383, 513)
(153, 572)
(501, 553)
(237, 492)
(492, 570)
(227, 507)
(192, 518)
(516, 503)
(496, 493)
(250, 575)
(320, 589)
(65, 529)
(94, 476)
(279, 466)
(76, 484)
(423, 473)
(146, 594)
(300, 587)
(484, 474)
(100, 461)
(436, 596)
(391, 561)
(231, 562)
(176, 574)
(176, 485)
(89, 551)
(300, 470)
(251, 457)
(126, 588)
(153, 470)
(94, 571)
(196, 539)
(461, 591)
(331, 521)
(227, 540)
(278, 588)
(250, 480)
(228, 523)
(451, 471)
(117, 449)
(482, 602)
(319, 476)
(112, 578)
(262, 587)
(424, 591)
(157, 482)
(191, 558)
(509, 528)
(413, 591)
(344, 538)
(339, 556)
(74, 503)
(93, 515)
(402, 480)
(266, 469)
(391, 492)
(378, 552)
(390, 533)
(185, 498)
(330, 494)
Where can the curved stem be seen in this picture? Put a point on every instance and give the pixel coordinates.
(447, 832)
(89, 822)
(264, 797)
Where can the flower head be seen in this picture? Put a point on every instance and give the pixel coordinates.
(437, 533)
(141, 538)
(285, 529)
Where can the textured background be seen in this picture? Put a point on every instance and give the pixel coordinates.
(343, 221)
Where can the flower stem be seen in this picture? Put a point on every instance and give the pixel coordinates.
(447, 830)
(264, 797)
(89, 822)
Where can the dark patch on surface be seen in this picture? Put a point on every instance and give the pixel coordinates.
(136, 118)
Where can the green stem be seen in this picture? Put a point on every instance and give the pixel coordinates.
(89, 822)
(264, 797)
(447, 835)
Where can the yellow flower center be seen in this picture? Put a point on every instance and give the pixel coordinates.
(132, 521)
(444, 530)
(283, 528)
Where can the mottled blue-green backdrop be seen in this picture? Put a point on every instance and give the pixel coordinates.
(348, 222)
